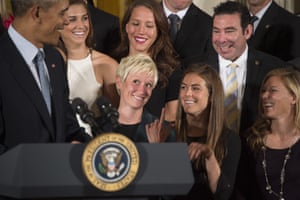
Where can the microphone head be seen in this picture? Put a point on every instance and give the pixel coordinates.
(79, 106)
(103, 103)
(108, 113)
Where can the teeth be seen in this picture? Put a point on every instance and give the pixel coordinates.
(267, 104)
(188, 102)
(60, 29)
(140, 39)
(78, 33)
(139, 98)
(224, 48)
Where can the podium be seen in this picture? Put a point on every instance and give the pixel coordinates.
(54, 171)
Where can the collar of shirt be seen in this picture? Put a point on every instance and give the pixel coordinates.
(26, 48)
(180, 13)
(240, 61)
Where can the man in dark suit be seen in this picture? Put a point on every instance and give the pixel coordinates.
(24, 115)
(106, 29)
(276, 30)
(231, 29)
(193, 38)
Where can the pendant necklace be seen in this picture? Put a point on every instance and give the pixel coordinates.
(282, 173)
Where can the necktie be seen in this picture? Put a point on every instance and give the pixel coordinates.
(44, 81)
(174, 25)
(254, 22)
(231, 95)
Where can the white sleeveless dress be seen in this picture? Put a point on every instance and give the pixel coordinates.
(83, 84)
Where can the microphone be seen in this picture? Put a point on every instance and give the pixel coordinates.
(109, 114)
(87, 116)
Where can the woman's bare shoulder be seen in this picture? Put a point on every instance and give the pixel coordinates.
(101, 59)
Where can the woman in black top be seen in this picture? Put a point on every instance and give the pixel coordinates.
(213, 149)
(271, 151)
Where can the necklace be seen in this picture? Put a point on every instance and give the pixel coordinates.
(282, 173)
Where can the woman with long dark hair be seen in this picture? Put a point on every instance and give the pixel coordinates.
(214, 150)
(144, 29)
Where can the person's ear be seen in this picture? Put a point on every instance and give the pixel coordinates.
(248, 31)
(118, 82)
(294, 100)
(35, 13)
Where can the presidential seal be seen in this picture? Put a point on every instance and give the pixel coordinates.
(110, 162)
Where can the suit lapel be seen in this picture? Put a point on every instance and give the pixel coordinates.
(26, 81)
(253, 69)
(264, 24)
(186, 26)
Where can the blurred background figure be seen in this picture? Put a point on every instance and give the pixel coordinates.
(193, 30)
(106, 33)
(276, 30)
(5, 12)
(90, 73)
(145, 30)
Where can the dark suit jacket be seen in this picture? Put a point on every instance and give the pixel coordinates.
(106, 30)
(296, 63)
(258, 65)
(278, 33)
(193, 40)
(23, 113)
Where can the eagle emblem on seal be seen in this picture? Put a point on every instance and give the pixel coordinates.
(111, 164)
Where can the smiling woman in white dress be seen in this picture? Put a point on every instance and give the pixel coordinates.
(90, 73)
